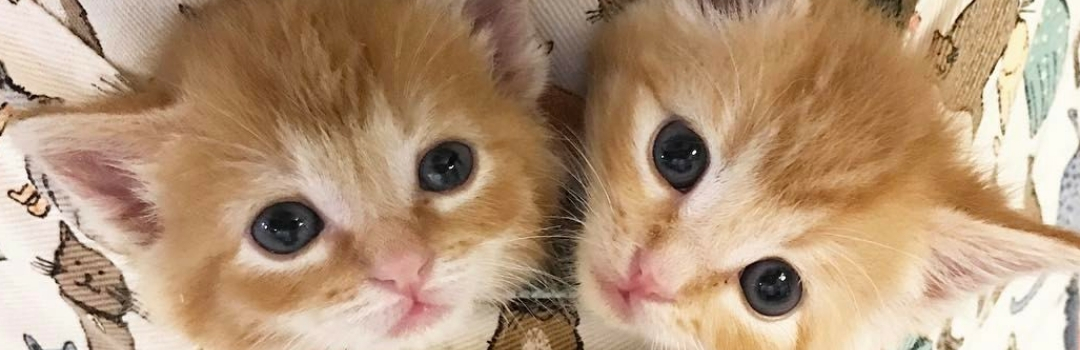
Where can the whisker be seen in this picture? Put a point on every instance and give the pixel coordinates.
(844, 255)
(874, 243)
(847, 285)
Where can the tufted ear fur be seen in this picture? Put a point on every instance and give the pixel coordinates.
(519, 62)
(101, 157)
(971, 254)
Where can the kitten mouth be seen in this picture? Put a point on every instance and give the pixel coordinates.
(617, 301)
(418, 316)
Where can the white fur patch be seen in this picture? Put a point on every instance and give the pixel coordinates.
(251, 256)
(647, 118)
(472, 189)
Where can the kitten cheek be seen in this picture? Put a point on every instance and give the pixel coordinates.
(590, 296)
(729, 303)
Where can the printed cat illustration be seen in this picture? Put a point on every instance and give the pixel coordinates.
(95, 289)
(965, 56)
(32, 344)
(537, 324)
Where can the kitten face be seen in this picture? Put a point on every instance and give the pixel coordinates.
(766, 179)
(290, 195)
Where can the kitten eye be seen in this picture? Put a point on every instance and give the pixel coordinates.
(680, 155)
(771, 286)
(285, 228)
(445, 167)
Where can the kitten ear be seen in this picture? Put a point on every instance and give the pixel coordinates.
(100, 160)
(971, 255)
(519, 61)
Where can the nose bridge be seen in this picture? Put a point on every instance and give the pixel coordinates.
(383, 237)
(384, 158)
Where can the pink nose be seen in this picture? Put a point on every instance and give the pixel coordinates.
(404, 272)
(643, 283)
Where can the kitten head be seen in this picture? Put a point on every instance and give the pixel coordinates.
(778, 176)
(332, 173)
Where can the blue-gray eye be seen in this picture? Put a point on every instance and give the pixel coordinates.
(680, 155)
(771, 286)
(445, 167)
(286, 227)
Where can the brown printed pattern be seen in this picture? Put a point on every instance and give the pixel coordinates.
(95, 289)
(537, 324)
(965, 55)
(38, 201)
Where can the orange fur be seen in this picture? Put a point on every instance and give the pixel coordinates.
(331, 102)
(828, 150)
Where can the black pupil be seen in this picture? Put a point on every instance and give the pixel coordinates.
(445, 162)
(284, 226)
(774, 286)
(680, 153)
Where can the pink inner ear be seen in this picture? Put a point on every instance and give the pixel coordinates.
(504, 19)
(960, 272)
(94, 176)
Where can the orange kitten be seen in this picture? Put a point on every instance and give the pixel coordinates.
(772, 175)
(320, 174)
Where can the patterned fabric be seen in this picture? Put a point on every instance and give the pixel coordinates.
(1008, 68)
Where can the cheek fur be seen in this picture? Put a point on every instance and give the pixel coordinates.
(331, 281)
